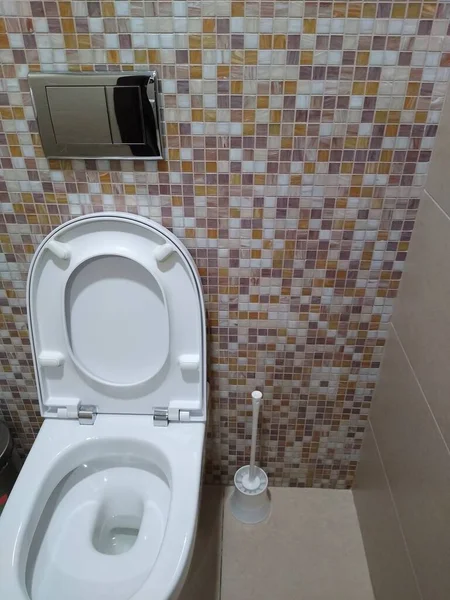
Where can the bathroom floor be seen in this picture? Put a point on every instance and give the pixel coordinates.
(310, 548)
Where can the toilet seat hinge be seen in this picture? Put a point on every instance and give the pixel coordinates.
(87, 414)
(160, 417)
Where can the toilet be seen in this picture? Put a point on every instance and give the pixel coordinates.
(106, 504)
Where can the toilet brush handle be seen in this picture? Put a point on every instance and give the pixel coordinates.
(256, 402)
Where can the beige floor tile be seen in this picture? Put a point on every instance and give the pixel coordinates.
(203, 581)
(310, 548)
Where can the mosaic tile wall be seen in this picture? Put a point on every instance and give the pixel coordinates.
(297, 136)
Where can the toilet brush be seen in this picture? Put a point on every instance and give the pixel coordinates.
(250, 501)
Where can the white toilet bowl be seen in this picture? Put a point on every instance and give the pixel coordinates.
(106, 504)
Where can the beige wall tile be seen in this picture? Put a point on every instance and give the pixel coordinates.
(417, 464)
(389, 565)
(438, 180)
(422, 312)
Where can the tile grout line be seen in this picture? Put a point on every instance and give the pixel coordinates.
(446, 215)
(421, 390)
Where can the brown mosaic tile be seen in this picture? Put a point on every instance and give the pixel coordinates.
(297, 138)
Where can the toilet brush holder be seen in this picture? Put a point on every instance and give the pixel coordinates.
(250, 500)
(248, 504)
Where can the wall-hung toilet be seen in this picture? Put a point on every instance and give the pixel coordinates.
(105, 507)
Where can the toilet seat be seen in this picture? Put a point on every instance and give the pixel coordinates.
(105, 506)
(63, 446)
(120, 269)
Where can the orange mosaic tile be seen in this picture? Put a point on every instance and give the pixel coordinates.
(297, 137)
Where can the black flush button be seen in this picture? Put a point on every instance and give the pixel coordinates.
(125, 114)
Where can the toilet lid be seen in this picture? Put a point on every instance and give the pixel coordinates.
(117, 320)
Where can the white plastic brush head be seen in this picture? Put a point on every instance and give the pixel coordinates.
(251, 484)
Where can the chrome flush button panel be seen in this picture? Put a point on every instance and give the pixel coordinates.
(98, 115)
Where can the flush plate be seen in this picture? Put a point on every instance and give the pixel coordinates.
(71, 125)
(92, 115)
